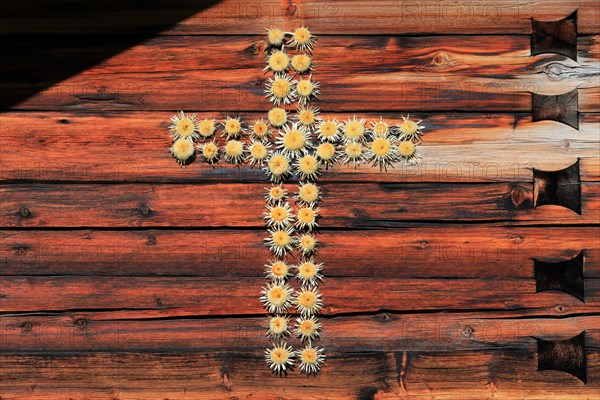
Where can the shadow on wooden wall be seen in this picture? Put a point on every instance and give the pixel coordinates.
(45, 42)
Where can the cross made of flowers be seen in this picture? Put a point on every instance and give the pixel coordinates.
(305, 144)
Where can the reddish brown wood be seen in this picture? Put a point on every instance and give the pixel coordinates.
(415, 375)
(221, 205)
(218, 73)
(324, 17)
(473, 251)
(457, 148)
(166, 296)
(118, 332)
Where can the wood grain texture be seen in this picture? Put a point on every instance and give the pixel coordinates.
(76, 146)
(382, 332)
(415, 375)
(125, 277)
(231, 17)
(214, 205)
(491, 73)
(172, 297)
(468, 251)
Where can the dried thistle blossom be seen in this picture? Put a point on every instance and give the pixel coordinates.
(276, 297)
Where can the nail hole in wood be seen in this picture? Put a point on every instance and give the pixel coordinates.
(559, 37)
(561, 188)
(565, 355)
(564, 276)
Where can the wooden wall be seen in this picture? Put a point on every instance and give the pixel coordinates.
(126, 277)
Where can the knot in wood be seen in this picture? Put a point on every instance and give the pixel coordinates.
(25, 212)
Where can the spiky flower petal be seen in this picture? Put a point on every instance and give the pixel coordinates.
(275, 194)
(309, 272)
(307, 218)
(184, 126)
(307, 328)
(276, 297)
(308, 194)
(278, 167)
(277, 271)
(278, 326)
(302, 39)
(279, 215)
(280, 357)
(280, 241)
(308, 301)
(311, 359)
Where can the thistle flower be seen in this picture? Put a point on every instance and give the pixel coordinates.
(278, 167)
(260, 130)
(408, 151)
(307, 218)
(302, 39)
(301, 63)
(276, 297)
(306, 90)
(207, 127)
(329, 130)
(258, 152)
(280, 357)
(353, 153)
(277, 271)
(277, 116)
(210, 152)
(308, 301)
(184, 126)
(306, 244)
(354, 130)
(280, 240)
(279, 215)
(308, 194)
(308, 272)
(234, 152)
(233, 128)
(327, 154)
(307, 328)
(382, 152)
(278, 61)
(308, 167)
(275, 37)
(380, 128)
(278, 327)
(308, 116)
(281, 89)
(183, 151)
(294, 140)
(410, 130)
(275, 194)
(311, 359)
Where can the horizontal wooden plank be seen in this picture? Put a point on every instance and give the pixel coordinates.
(324, 17)
(414, 375)
(356, 73)
(456, 148)
(215, 205)
(471, 251)
(168, 297)
(79, 332)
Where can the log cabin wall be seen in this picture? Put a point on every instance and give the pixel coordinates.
(473, 275)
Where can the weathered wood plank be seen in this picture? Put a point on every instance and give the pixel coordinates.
(218, 205)
(324, 17)
(356, 73)
(414, 375)
(468, 251)
(458, 148)
(78, 332)
(169, 297)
